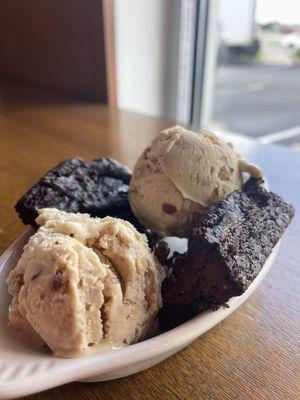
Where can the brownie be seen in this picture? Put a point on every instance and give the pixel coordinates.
(225, 252)
(99, 188)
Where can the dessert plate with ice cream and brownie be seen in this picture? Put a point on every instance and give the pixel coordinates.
(118, 271)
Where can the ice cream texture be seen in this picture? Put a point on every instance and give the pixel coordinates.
(179, 175)
(82, 282)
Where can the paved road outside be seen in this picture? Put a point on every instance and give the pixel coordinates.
(257, 100)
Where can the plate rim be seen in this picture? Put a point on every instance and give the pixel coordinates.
(87, 367)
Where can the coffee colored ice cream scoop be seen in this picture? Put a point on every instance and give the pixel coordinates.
(179, 175)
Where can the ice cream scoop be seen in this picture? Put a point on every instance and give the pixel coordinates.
(84, 283)
(179, 175)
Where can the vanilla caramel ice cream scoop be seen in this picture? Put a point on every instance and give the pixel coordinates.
(84, 283)
(179, 175)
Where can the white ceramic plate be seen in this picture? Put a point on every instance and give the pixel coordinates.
(25, 371)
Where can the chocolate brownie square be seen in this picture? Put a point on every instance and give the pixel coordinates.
(225, 252)
(98, 188)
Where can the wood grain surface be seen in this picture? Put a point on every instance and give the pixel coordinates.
(58, 44)
(253, 354)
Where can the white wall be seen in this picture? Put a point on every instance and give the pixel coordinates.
(145, 33)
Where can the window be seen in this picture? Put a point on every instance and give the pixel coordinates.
(251, 69)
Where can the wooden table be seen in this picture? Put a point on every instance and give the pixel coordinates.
(253, 354)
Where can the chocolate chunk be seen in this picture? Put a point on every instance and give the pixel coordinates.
(225, 252)
(99, 188)
(60, 282)
(162, 251)
(57, 281)
(169, 208)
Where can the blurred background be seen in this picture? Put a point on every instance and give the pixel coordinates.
(227, 65)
